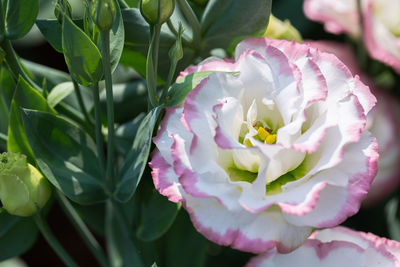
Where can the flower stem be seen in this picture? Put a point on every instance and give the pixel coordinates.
(97, 126)
(193, 21)
(83, 230)
(80, 101)
(53, 242)
(152, 63)
(105, 41)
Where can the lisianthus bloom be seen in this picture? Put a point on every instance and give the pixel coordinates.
(268, 146)
(383, 122)
(381, 20)
(338, 246)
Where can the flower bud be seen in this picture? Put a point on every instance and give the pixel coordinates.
(63, 8)
(282, 30)
(23, 188)
(157, 11)
(104, 14)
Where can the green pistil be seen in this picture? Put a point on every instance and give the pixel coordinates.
(237, 175)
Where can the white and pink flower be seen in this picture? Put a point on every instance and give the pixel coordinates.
(381, 31)
(383, 122)
(270, 145)
(338, 246)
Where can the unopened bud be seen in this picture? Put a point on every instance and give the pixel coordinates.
(23, 188)
(104, 14)
(157, 11)
(282, 30)
(63, 8)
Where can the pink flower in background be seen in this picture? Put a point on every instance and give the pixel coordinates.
(269, 146)
(381, 21)
(338, 246)
(383, 122)
(338, 16)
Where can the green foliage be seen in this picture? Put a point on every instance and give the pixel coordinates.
(17, 235)
(156, 216)
(24, 97)
(121, 247)
(59, 92)
(20, 16)
(66, 156)
(52, 31)
(130, 99)
(136, 160)
(81, 54)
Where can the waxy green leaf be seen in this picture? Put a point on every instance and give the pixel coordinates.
(81, 54)
(20, 17)
(17, 235)
(52, 31)
(66, 155)
(136, 159)
(25, 96)
(58, 93)
(157, 216)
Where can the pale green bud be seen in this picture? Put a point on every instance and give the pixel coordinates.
(103, 14)
(282, 30)
(157, 11)
(23, 188)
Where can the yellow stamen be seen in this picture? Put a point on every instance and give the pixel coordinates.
(270, 139)
(262, 133)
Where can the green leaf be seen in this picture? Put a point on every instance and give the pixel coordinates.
(157, 216)
(136, 159)
(58, 93)
(175, 249)
(25, 96)
(81, 54)
(125, 134)
(20, 17)
(183, 86)
(17, 235)
(41, 72)
(121, 247)
(225, 21)
(52, 31)
(66, 155)
(130, 99)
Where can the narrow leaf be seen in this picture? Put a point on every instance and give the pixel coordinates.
(136, 159)
(58, 93)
